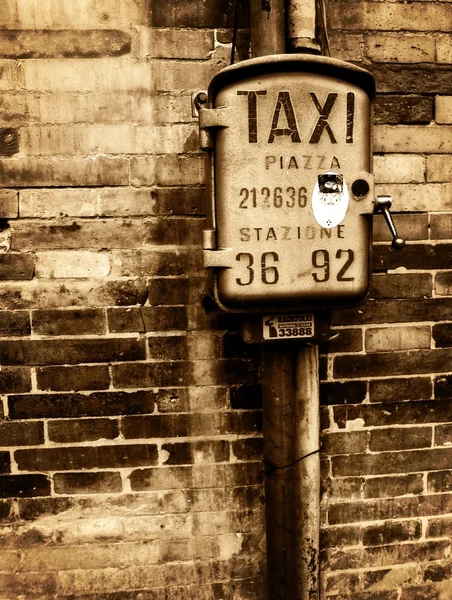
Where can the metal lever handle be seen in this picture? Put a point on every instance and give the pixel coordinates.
(383, 204)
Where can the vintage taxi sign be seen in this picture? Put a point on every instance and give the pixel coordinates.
(289, 141)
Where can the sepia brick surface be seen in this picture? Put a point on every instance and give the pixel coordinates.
(130, 418)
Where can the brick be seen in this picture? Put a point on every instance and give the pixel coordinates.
(23, 584)
(392, 532)
(161, 374)
(353, 392)
(439, 481)
(348, 48)
(75, 235)
(47, 352)
(180, 43)
(63, 43)
(9, 141)
(202, 452)
(409, 226)
(389, 339)
(74, 264)
(68, 322)
(49, 294)
(353, 442)
(443, 435)
(390, 17)
(439, 168)
(430, 256)
(397, 49)
(117, 202)
(179, 201)
(387, 390)
(213, 13)
(103, 75)
(399, 168)
(9, 204)
(24, 486)
(411, 79)
(443, 109)
(14, 323)
(172, 170)
(98, 404)
(15, 380)
(413, 138)
(8, 75)
(401, 285)
(170, 231)
(47, 204)
(395, 311)
(444, 50)
(198, 476)
(418, 198)
(86, 430)
(398, 109)
(157, 262)
(90, 457)
(442, 334)
(443, 284)
(5, 462)
(72, 172)
(21, 434)
(247, 449)
(393, 413)
(419, 592)
(334, 537)
(400, 438)
(439, 527)
(392, 486)
(62, 378)
(402, 363)
(170, 291)
(147, 318)
(391, 462)
(16, 266)
(345, 340)
(87, 483)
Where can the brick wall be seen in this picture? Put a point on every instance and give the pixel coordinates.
(130, 434)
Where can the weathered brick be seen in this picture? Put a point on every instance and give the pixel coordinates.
(63, 43)
(418, 198)
(88, 457)
(411, 256)
(439, 168)
(439, 481)
(392, 486)
(54, 406)
(48, 352)
(444, 50)
(399, 168)
(213, 13)
(353, 392)
(16, 266)
(393, 413)
(349, 47)
(72, 172)
(62, 378)
(24, 486)
(443, 109)
(179, 201)
(443, 284)
(14, 323)
(159, 374)
(353, 442)
(413, 138)
(442, 334)
(389, 339)
(5, 462)
(246, 397)
(171, 291)
(68, 322)
(23, 584)
(9, 141)
(396, 390)
(21, 434)
(391, 462)
(202, 452)
(398, 109)
(392, 532)
(390, 17)
(400, 439)
(147, 318)
(197, 476)
(86, 430)
(172, 170)
(87, 483)
(9, 204)
(401, 285)
(159, 263)
(180, 43)
(393, 48)
(395, 311)
(247, 449)
(73, 264)
(15, 380)
(345, 340)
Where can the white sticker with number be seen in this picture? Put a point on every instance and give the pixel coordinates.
(285, 327)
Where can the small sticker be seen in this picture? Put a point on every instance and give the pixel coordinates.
(330, 199)
(283, 327)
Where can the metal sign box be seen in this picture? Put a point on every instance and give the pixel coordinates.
(291, 190)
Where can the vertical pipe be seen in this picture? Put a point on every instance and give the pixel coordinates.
(302, 26)
(307, 474)
(267, 27)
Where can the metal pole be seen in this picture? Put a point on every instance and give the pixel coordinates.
(301, 26)
(267, 27)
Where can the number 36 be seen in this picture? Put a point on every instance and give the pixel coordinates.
(269, 273)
